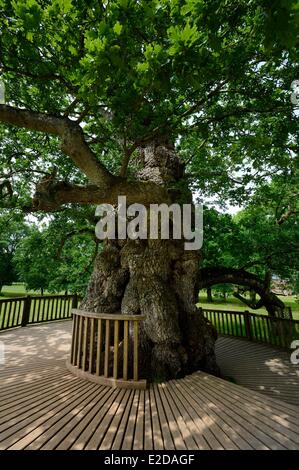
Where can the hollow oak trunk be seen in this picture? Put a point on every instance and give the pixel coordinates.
(158, 279)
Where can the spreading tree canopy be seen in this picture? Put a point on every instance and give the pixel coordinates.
(88, 83)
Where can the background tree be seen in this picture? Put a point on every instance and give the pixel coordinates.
(12, 230)
(262, 239)
(58, 255)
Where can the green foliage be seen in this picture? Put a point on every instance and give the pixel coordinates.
(33, 262)
(213, 76)
(58, 254)
(218, 72)
(253, 239)
(12, 230)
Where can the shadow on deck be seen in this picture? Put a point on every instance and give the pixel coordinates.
(259, 367)
(43, 406)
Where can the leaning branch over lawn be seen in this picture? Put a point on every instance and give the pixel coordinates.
(221, 275)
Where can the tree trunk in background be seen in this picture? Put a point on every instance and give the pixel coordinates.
(222, 275)
(209, 294)
(252, 294)
(158, 279)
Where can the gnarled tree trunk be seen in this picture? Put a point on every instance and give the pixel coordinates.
(158, 279)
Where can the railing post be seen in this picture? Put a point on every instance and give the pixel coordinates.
(75, 301)
(135, 350)
(26, 311)
(247, 325)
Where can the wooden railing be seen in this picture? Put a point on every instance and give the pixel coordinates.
(105, 349)
(22, 311)
(262, 328)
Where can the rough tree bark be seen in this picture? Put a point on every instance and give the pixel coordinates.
(158, 279)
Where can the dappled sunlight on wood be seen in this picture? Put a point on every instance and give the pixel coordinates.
(43, 342)
(43, 406)
(259, 367)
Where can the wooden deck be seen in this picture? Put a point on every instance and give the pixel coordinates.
(259, 367)
(43, 406)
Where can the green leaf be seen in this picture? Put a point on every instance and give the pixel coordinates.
(65, 5)
(142, 66)
(117, 28)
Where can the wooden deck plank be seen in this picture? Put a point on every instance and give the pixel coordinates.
(259, 367)
(158, 443)
(123, 423)
(59, 428)
(65, 432)
(189, 417)
(241, 437)
(21, 409)
(14, 399)
(276, 423)
(179, 419)
(43, 406)
(109, 437)
(148, 429)
(265, 433)
(74, 434)
(138, 443)
(276, 408)
(39, 435)
(129, 432)
(166, 434)
(172, 423)
(88, 432)
(230, 423)
(11, 375)
(102, 429)
(26, 417)
(27, 426)
(216, 438)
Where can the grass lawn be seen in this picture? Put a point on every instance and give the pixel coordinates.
(234, 304)
(41, 308)
(19, 290)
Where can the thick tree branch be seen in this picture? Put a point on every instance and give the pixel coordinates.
(286, 216)
(51, 194)
(72, 137)
(126, 160)
(249, 303)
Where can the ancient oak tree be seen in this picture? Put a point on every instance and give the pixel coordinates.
(118, 98)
